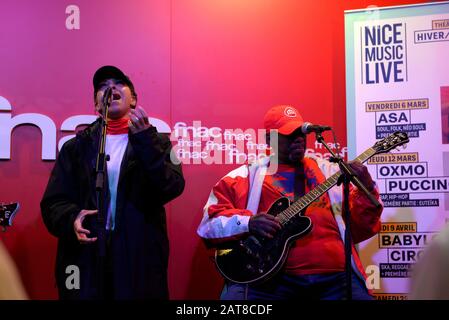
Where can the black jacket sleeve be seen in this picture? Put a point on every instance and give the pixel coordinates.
(58, 205)
(163, 177)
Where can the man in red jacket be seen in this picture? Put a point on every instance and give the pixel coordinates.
(314, 268)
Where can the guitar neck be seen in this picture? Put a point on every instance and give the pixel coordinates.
(318, 191)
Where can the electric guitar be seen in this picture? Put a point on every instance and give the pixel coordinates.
(7, 213)
(255, 258)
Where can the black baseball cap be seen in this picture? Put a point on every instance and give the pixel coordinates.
(111, 72)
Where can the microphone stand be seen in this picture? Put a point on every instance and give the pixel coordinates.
(347, 176)
(100, 172)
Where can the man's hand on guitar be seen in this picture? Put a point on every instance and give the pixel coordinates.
(363, 174)
(264, 225)
(81, 233)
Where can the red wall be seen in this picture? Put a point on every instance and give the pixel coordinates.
(223, 62)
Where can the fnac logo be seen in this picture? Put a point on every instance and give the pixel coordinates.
(48, 129)
(290, 112)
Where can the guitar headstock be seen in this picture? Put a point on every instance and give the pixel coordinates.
(394, 140)
(7, 213)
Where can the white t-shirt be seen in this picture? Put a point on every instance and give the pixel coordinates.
(115, 148)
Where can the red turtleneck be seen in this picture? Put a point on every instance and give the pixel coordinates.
(117, 126)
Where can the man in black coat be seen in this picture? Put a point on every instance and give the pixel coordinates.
(140, 180)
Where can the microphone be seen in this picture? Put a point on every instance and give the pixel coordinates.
(107, 96)
(106, 99)
(307, 128)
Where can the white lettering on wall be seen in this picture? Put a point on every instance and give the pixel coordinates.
(48, 129)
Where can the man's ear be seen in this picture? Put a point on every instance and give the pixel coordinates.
(96, 103)
(98, 108)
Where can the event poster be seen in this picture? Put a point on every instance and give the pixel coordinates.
(397, 77)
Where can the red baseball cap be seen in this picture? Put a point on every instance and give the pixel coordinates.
(283, 118)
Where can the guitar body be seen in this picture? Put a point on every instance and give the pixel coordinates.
(256, 259)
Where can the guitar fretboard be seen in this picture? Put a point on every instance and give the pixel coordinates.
(318, 191)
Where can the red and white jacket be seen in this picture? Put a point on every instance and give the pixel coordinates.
(248, 190)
